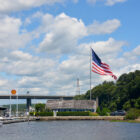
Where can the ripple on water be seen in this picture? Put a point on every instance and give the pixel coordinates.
(70, 130)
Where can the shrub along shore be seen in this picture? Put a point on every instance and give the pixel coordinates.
(131, 116)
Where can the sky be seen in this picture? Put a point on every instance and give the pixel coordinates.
(45, 44)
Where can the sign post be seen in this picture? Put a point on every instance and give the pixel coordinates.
(10, 107)
(14, 93)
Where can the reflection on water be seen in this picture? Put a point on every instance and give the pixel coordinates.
(71, 130)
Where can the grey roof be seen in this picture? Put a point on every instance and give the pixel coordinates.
(70, 104)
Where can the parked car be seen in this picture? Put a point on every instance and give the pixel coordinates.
(118, 113)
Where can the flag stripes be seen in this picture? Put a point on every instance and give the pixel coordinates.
(99, 67)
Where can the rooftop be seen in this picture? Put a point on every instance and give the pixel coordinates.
(70, 104)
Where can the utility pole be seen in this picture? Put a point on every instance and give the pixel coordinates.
(78, 87)
(17, 105)
(10, 107)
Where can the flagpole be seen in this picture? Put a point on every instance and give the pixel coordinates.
(10, 107)
(17, 105)
(90, 73)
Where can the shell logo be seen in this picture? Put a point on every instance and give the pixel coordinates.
(13, 91)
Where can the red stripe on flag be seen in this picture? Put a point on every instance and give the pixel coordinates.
(104, 70)
(97, 72)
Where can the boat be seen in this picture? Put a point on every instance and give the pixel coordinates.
(1, 121)
(5, 118)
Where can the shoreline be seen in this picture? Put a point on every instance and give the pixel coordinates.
(82, 118)
(69, 118)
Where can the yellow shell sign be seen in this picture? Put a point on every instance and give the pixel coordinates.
(13, 91)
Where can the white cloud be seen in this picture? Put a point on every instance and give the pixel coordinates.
(136, 51)
(27, 67)
(16, 5)
(19, 55)
(78, 64)
(130, 68)
(27, 21)
(112, 2)
(10, 36)
(3, 82)
(62, 34)
(75, 1)
(134, 54)
(40, 73)
(30, 82)
(107, 2)
(109, 47)
(105, 49)
(106, 27)
(92, 1)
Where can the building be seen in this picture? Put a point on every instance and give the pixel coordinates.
(71, 105)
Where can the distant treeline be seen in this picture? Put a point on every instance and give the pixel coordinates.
(124, 94)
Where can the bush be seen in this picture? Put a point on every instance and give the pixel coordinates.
(127, 105)
(113, 106)
(137, 104)
(132, 114)
(93, 114)
(42, 113)
(40, 107)
(98, 110)
(31, 113)
(45, 113)
(72, 113)
(105, 112)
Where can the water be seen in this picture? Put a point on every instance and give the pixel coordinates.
(71, 130)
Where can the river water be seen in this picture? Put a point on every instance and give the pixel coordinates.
(71, 130)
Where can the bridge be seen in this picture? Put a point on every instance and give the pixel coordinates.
(28, 97)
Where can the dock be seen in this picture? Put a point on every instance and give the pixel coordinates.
(18, 120)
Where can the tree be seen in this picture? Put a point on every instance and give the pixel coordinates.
(127, 105)
(137, 104)
(123, 94)
(40, 107)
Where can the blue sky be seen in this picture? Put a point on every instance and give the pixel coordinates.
(45, 44)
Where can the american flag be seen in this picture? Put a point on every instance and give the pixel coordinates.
(99, 67)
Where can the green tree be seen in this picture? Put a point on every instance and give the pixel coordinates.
(133, 114)
(127, 105)
(40, 107)
(105, 112)
(124, 94)
(113, 106)
(137, 104)
(98, 110)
